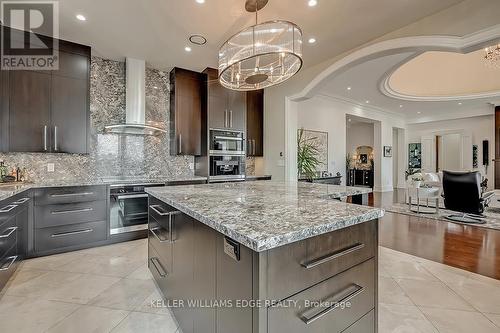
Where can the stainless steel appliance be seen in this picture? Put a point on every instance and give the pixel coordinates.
(128, 207)
(226, 155)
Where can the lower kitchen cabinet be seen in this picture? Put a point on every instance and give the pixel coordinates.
(14, 224)
(69, 218)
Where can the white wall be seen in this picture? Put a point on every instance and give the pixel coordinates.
(481, 128)
(359, 134)
(328, 114)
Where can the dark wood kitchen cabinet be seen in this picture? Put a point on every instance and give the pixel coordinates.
(255, 123)
(226, 108)
(48, 110)
(186, 112)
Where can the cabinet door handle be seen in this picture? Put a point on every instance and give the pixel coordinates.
(45, 138)
(55, 139)
(8, 208)
(70, 194)
(231, 118)
(153, 231)
(357, 290)
(62, 234)
(180, 143)
(161, 271)
(253, 146)
(21, 201)
(225, 118)
(57, 212)
(12, 260)
(335, 255)
(11, 231)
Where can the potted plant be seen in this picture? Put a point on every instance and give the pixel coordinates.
(307, 152)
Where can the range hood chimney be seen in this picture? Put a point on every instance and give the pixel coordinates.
(135, 120)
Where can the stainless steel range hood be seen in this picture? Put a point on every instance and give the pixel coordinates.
(135, 120)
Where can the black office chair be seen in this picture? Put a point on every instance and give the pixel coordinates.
(462, 193)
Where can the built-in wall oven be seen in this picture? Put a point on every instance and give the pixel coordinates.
(129, 207)
(227, 155)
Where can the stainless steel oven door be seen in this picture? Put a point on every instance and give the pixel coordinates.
(128, 212)
(227, 142)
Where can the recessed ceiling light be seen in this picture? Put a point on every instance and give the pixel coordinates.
(312, 3)
(459, 103)
(80, 17)
(349, 120)
(419, 112)
(367, 102)
(187, 49)
(349, 88)
(312, 40)
(400, 105)
(200, 1)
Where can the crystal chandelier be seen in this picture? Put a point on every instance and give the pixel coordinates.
(492, 56)
(262, 55)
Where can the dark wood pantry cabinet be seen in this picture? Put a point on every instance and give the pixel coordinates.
(226, 108)
(255, 123)
(47, 110)
(185, 112)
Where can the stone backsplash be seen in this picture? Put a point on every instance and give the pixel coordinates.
(112, 155)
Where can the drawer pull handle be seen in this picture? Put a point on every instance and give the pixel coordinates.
(161, 271)
(153, 231)
(334, 305)
(157, 211)
(71, 194)
(62, 234)
(8, 208)
(131, 196)
(333, 256)
(12, 261)
(11, 231)
(21, 201)
(57, 212)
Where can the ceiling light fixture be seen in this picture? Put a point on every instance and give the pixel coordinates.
(262, 55)
(492, 56)
(367, 102)
(200, 1)
(198, 39)
(459, 103)
(419, 112)
(401, 105)
(187, 49)
(349, 88)
(80, 17)
(312, 40)
(312, 3)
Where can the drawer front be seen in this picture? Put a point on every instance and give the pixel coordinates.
(159, 270)
(9, 208)
(159, 239)
(364, 325)
(8, 265)
(331, 306)
(160, 211)
(295, 267)
(8, 236)
(64, 214)
(70, 194)
(69, 235)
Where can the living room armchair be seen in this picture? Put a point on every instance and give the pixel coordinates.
(463, 193)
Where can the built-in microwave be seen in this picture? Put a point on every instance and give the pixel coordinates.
(227, 142)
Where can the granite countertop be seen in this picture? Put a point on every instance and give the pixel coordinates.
(267, 214)
(7, 190)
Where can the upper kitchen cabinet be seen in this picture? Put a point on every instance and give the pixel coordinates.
(185, 112)
(48, 110)
(255, 123)
(226, 108)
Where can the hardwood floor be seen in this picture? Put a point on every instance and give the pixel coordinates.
(472, 248)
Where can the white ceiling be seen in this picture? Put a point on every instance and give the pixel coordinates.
(365, 81)
(452, 74)
(158, 30)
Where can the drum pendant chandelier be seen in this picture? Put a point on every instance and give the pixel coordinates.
(262, 55)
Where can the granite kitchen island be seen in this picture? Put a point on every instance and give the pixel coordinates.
(265, 257)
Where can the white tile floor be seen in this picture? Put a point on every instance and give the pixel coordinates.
(109, 289)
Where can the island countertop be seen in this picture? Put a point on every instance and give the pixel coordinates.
(263, 215)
